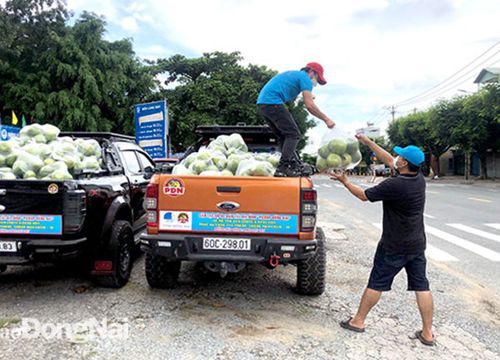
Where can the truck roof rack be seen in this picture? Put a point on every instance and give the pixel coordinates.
(215, 130)
(102, 135)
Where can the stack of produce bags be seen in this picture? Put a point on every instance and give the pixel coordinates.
(40, 154)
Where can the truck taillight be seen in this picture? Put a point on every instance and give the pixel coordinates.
(152, 205)
(74, 209)
(308, 210)
(152, 196)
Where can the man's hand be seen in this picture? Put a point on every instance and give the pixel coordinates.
(339, 176)
(329, 123)
(363, 139)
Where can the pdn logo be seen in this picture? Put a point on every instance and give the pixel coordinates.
(174, 187)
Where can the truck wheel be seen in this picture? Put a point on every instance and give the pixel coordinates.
(3, 268)
(161, 273)
(120, 246)
(311, 272)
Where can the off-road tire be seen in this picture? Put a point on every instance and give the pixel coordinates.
(311, 272)
(121, 244)
(161, 273)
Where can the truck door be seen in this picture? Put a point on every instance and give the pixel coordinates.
(138, 184)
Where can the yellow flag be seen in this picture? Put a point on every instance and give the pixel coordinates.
(14, 118)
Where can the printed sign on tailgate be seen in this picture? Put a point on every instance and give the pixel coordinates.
(30, 224)
(226, 222)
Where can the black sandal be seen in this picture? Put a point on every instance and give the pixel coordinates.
(418, 335)
(346, 325)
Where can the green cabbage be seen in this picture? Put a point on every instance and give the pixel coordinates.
(7, 176)
(50, 132)
(49, 169)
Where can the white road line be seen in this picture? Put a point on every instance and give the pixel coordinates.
(327, 186)
(429, 216)
(378, 226)
(432, 252)
(479, 199)
(339, 186)
(477, 232)
(438, 254)
(468, 245)
(494, 226)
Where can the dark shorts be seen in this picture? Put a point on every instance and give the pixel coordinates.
(387, 266)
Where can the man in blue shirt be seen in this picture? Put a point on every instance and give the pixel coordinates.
(279, 90)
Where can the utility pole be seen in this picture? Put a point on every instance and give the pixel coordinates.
(392, 110)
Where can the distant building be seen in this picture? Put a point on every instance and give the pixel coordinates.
(370, 131)
(488, 75)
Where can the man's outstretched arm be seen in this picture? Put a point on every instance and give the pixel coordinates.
(314, 109)
(354, 189)
(382, 154)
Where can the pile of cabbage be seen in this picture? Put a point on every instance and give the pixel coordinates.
(228, 155)
(40, 154)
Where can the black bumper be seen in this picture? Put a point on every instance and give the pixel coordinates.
(33, 250)
(190, 247)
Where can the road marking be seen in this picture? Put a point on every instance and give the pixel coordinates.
(378, 226)
(477, 232)
(438, 254)
(339, 186)
(494, 226)
(468, 245)
(327, 186)
(431, 192)
(479, 199)
(429, 216)
(432, 252)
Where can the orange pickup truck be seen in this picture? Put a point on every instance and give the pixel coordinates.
(227, 222)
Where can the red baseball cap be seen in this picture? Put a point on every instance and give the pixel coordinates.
(319, 70)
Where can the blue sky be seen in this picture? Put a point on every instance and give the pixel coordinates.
(375, 52)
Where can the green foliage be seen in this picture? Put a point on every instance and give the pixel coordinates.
(68, 75)
(216, 89)
(470, 123)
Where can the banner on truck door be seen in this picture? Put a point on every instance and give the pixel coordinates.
(30, 224)
(226, 222)
(151, 128)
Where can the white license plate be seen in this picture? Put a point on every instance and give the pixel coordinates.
(226, 244)
(8, 246)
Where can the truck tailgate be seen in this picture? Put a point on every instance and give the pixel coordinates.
(229, 204)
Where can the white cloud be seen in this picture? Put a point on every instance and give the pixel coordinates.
(129, 23)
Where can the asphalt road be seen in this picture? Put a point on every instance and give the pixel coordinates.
(462, 225)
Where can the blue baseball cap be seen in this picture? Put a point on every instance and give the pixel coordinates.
(411, 153)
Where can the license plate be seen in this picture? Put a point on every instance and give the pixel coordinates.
(226, 244)
(8, 246)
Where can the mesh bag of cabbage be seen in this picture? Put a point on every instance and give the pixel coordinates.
(338, 151)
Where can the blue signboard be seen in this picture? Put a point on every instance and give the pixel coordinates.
(30, 224)
(6, 132)
(151, 128)
(241, 222)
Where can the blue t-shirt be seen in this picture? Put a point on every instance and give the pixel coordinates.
(285, 87)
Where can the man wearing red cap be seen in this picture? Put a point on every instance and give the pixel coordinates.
(279, 90)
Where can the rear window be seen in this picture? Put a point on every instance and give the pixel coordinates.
(131, 162)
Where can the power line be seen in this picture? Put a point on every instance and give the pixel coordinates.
(454, 83)
(450, 77)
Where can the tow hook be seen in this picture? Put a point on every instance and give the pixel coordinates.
(274, 260)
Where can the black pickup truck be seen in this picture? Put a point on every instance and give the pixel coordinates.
(97, 217)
